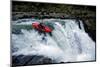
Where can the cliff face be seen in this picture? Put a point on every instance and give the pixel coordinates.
(46, 10)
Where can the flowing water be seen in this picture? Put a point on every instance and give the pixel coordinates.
(68, 42)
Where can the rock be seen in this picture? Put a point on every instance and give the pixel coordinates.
(90, 27)
(23, 60)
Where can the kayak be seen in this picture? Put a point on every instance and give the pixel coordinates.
(45, 29)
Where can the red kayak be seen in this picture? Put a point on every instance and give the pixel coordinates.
(41, 27)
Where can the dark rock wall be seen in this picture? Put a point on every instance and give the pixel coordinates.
(23, 60)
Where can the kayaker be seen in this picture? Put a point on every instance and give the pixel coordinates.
(42, 28)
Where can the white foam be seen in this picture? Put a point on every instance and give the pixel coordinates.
(68, 43)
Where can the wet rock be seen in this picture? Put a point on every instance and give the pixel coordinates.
(90, 27)
(23, 60)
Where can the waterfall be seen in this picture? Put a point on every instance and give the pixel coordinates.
(68, 43)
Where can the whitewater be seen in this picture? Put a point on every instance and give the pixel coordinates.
(68, 42)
